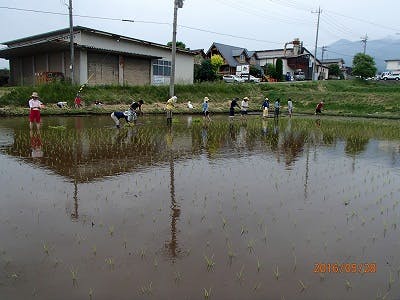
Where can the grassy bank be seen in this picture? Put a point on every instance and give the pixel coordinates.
(356, 98)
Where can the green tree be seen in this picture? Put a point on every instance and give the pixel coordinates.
(216, 62)
(363, 65)
(270, 70)
(256, 71)
(334, 70)
(204, 72)
(180, 45)
(279, 69)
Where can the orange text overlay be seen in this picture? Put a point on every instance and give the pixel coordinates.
(345, 267)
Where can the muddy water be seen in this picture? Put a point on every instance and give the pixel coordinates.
(227, 210)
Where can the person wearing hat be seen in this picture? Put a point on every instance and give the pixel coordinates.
(318, 109)
(245, 106)
(206, 113)
(169, 106)
(34, 110)
(265, 107)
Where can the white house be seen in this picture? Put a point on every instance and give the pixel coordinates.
(100, 58)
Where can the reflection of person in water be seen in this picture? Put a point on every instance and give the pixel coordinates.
(264, 127)
(36, 144)
(318, 122)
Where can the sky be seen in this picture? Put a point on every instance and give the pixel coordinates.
(251, 24)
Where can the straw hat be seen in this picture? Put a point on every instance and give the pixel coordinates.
(35, 94)
(246, 98)
(206, 99)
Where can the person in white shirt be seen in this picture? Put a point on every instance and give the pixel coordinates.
(290, 107)
(34, 114)
(244, 106)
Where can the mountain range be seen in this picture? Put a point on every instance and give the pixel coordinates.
(380, 50)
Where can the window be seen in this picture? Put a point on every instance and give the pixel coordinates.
(161, 67)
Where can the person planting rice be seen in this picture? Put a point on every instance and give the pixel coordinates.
(232, 107)
(169, 106)
(137, 107)
(129, 116)
(34, 114)
(318, 109)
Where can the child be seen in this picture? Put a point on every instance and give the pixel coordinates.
(277, 106)
(290, 107)
(206, 113)
(245, 106)
(318, 109)
(34, 114)
(129, 116)
(265, 107)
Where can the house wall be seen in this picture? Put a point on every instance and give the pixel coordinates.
(136, 71)
(184, 62)
(102, 68)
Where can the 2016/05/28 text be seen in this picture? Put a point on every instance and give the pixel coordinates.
(345, 268)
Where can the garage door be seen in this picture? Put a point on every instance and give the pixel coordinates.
(102, 68)
(136, 71)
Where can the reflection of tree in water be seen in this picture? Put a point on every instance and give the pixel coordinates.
(355, 144)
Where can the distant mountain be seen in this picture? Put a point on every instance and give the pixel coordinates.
(380, 50)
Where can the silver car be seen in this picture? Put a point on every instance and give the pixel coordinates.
(232, 78)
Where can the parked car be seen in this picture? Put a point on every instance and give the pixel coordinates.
(251, 78)
(299, 75)
(391, 76)
(232, 78)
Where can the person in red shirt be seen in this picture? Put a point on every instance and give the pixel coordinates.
(318, 109)
(78, 101)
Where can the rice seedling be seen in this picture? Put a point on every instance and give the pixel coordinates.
(178, 276)
(258, 265)
(90, 294)
(257, 286)
(209, 262)
(94, 250)
(207, 293)
(110, 262)
(146, 289)
(74, 275)
(348, 285)
(276, 273)
(46, 249)
(302, 286)
(239, 275)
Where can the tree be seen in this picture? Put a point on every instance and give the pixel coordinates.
(279, 69)
(216, 62)
(204, 72)
(363, 66)
(270, 70)
(180, 45)
(334, 70)
(256, 71)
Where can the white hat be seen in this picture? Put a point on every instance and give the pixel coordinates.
(35, 94)
(206, 99)
(245, 98)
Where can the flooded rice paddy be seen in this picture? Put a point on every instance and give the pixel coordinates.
(300, 209)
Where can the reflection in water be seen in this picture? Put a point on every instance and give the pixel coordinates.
(88, 150)
(172, 245)
(36, 144)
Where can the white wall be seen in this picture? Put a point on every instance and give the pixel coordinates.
(393, 65)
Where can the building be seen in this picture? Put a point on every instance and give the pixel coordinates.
(392, 65)
(294, 59)
(233, 57)
(297, 58)
(100, 58)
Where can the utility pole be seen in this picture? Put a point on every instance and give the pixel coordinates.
(177, 4)
(364, 40)
(316, 45)
(71, 41)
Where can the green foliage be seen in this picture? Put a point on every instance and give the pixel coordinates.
(363, 65)
(204, 72)
(256, 71)
(279, 69)
(180, 45)
(216, 62)
(334, 70)
(270, 70)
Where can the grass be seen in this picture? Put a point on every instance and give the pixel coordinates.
(345, 97)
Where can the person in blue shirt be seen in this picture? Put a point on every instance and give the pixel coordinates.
(277, 106)
(206, 113)
(265, 107)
